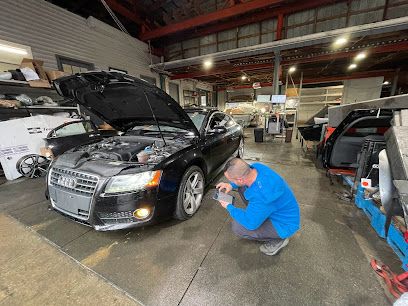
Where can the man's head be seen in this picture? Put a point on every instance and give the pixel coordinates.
(237, 171)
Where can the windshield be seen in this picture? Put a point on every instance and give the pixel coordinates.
(197, 119)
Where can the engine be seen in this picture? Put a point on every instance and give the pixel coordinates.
(129, 149)
(117, 150)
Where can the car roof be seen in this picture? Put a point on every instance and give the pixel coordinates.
(201, 109)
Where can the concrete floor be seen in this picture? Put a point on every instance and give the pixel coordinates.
(200, 261)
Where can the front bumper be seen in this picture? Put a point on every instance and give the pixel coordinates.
(118, 215)
(93, 208)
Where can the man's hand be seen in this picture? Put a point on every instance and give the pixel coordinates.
(225, 187)
(224, 204)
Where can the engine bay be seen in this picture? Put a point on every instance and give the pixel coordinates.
(131, 149)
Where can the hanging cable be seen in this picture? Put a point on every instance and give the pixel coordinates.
(122, 27)
(150, 53)
(117, 21)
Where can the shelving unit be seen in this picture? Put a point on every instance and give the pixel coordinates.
(22, 87)
(313, 99)
(321, 95)
(190, 97)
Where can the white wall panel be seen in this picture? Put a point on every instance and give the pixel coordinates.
(50, 30)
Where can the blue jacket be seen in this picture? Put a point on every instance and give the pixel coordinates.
(269, 197)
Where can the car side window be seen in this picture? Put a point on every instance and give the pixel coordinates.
(217, 119)
(74, 128)
(230, 122)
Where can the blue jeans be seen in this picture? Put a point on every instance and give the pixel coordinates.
(266, 232)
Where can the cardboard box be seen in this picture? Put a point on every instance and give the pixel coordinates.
(54, 74)
(9, 103)
(37, 66)
(40, 83)
(292, 92)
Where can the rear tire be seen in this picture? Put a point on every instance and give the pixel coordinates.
(190, 194)
(241, 150)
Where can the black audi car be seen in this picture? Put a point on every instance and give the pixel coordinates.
(155, 169)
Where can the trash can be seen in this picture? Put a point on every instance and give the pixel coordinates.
(289, 133)
(258, 133)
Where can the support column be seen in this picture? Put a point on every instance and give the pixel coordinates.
(394, 82)
(279, 27)
(276, 68)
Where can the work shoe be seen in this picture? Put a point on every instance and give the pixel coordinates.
(274, 246)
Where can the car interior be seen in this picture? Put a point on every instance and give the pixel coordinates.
(348, 145)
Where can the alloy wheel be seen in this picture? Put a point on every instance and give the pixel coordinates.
(32, 166)
(193, 192)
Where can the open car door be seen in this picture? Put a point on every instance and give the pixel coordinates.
(70, 135)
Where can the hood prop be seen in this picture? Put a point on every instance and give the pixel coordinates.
(155, 119)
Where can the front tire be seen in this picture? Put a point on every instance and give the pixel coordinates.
(190, 194)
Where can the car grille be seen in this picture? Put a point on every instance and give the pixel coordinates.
(73, 181)
(117, 217)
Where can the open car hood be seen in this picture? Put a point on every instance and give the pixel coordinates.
(124, 101)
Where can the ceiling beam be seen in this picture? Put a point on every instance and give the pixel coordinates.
(221, 71)
(354, 32)
(257, 17)
(387, 48)
(316, 80)
(156, 5)
(125, 12)
(222, 14)
(397, 47)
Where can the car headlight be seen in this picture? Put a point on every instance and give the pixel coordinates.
(133, 182)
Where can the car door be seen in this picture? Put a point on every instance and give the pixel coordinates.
(233, 136)
(70, 135)
(216, 139)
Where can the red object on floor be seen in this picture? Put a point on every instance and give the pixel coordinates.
(396, 283)
(348, 172)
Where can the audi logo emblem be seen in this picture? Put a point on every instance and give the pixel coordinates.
(65, 181)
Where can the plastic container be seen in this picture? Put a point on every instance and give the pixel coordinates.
(258, 134)
(143, 157)
(288, 137)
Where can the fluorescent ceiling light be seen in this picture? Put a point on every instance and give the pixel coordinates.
(13, 50)
(352, 66)
(340, 41)
(208, 64)
(360, 56)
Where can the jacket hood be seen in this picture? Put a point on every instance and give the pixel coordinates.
(124, 101)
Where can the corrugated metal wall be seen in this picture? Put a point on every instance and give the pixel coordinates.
(306, 22)
(50, 30)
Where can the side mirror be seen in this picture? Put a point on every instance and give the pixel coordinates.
(219, 129)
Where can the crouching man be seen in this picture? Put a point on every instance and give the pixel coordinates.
(272, 214)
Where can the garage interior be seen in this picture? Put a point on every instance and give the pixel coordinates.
(318, 91)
